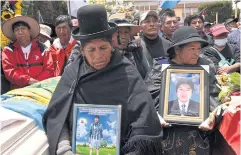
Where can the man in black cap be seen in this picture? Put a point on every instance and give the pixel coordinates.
(207, 27)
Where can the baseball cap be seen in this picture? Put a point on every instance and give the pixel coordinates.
(148, 13)
(207, 24)
(218, 29)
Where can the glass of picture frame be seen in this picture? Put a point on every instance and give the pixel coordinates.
(184, 97)
(96, 128)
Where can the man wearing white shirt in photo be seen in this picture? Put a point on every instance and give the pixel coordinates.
(184, 106)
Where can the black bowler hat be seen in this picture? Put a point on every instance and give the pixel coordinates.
(184, 35)
(93, 23)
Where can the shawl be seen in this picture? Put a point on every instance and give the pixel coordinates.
(118, 83)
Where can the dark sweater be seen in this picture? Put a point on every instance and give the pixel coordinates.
(156, 47)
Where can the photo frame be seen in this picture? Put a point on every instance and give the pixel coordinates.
(96, 128)
(185, 97)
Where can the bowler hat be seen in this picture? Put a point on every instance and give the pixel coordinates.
(93, 23)
(184, 35)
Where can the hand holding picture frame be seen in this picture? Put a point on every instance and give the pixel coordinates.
(96, 129)
(185, 97)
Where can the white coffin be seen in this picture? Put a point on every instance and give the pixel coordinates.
(23, 137)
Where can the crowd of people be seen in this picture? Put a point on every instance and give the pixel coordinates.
(111, 61)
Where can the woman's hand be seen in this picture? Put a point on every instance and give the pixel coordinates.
(223, 70)
(208, 124)
(164, 123)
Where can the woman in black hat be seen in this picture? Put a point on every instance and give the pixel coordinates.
(185, 50)
(102, 76)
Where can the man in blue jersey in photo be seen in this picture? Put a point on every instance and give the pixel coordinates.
(95, 135)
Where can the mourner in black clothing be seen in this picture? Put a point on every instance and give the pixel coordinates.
(102, 76)
(185, 50)
(121, 40)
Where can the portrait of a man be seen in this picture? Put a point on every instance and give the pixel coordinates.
(95, 135)
(183, 105)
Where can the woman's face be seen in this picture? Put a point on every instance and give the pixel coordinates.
(189, 54)
(98, 53)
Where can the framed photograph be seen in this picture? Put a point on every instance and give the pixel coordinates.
(96, 129)
(185, 97)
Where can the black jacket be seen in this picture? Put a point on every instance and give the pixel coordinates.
(213, 55)
(118, 83)
(146, 59)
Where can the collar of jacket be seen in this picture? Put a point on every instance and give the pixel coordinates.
(57, 43)
(34, 45)
(164, 36)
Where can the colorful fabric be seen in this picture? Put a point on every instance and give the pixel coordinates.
(31, 101)
(230, 129)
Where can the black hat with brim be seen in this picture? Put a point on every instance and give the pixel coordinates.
(184, 35)
(93, 23)
(230, 20)
(82, 36)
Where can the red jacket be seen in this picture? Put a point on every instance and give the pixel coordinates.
(60, 56)
(18, 71)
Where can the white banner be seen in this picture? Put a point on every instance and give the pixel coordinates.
(74, 5)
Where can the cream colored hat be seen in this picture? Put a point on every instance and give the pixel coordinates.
(45, 30)
(33, 24)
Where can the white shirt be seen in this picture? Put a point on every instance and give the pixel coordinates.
(57, 43)
(26, 51)
(47, 43)
(186, 105)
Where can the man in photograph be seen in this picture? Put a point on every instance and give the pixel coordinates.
(183, 105)
(95, 135)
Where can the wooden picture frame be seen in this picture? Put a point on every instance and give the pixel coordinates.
(184, 97)
(96, 128)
